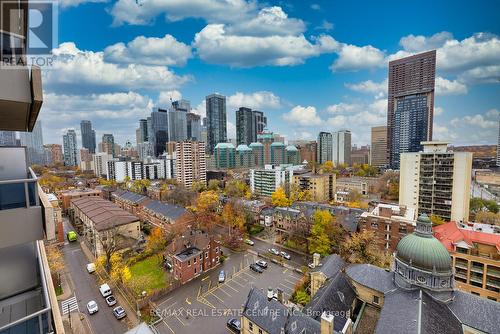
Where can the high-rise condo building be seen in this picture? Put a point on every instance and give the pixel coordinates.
(342, 147)
(7, 138)
(266, 138)
(436, 181)
(88, 136)
(182, 105)
(158, 130)
(248, 124)
(177, 125)
(410, 104)
(193, 126)
(325, 147)
(70, 152)
(498, 145)
(143, 131)
(378, 149)
(225, 156)
(100, 163)
(34, 144)
(190, 163)
(108, 144)
(216, 120)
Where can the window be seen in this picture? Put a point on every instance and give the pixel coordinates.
(194, 260)
(376, 300)
(216, 249)
(189, 263)
(420, 279)
(250, 326)
(206, 255)
(217, 259)
(195, 270)
(260, 331)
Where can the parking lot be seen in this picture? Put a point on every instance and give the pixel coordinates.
(204, 305)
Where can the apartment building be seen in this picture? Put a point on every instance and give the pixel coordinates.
(378, 148)
(104, 223)
(321, 187)
(436, 181)
(291, 223)
(390, 223)
(192, 254)
(475, 251)
(190, 163)
(265, 181)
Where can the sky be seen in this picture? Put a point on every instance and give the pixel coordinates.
(311, 66)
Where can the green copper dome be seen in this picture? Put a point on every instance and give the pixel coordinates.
(421, 250)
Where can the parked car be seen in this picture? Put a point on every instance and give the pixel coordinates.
(261, 263)
(105, 290)
(222, 276)
(256, 268)
(92, 307)
(110, 300)
(119, 312)
(90, 268)
(285, 255)
(234, 325)
(274, 251)
(72, 236)
(249, 242)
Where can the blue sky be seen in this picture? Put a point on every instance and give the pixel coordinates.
(309, 65)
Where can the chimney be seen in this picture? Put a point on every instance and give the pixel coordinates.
(280, 295)
(316, 259)
(326, 323)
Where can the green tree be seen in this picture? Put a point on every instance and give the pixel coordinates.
(199, 186)
(319, 239)
(214, 185)
(237, 188)
(486, 217)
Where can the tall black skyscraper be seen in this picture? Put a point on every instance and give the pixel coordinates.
(143, 130)
(216, 117)
(159, 130)
(193, 126)
(410, 104)
(88, 136)
(248, 124)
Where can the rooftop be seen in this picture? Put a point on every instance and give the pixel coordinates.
(129, 196)
(451, 234)
(171, 211)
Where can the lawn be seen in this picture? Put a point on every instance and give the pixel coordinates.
(149, 274)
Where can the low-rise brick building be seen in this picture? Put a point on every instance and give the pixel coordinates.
(193, 253)
(164, 215)
(67, 195)
(390, 224)
(129, 201)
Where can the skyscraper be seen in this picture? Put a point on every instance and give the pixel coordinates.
(193, 126)
(108, 144)
(181, 105)
(410, 104)
(378, 151)
(69, 144)
(325, 143)
(342, 147)
(498, 145)
(190, 163)
(34, 144)
(7, 138)
(143, 131)
(248, 124)
(159, 130)
(216, 118)
(177, 125)
(88, 136)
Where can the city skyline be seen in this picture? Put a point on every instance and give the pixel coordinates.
(334, 79)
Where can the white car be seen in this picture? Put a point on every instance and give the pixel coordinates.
(90, 268)
(92, 307)
(285, 255)
(105, 290)
(222, 276)
(249, 242)
(274, 251)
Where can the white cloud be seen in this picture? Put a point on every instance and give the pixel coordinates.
(303, 116)
(116, 113)
(343, 108)
(261, 100)
(80, 70)
(165, 98)
(492, 113)
(354, 58)
(231, 130)
(447, 87)
(379, 89)
(412, 43)
(325, 25)
(476, 129)
(215, 45)
(443, 133)
(75, 3)
(270, 21)
(149, 50)
(438, 111)
(140, 12)
(476, 120)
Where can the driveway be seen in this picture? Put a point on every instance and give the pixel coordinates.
(86, 288)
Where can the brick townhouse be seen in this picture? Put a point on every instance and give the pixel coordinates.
(164, 215)
(129, 201)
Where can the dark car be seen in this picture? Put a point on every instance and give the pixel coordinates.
(110, 300)
(256, 268)
(234, 325)
(119, 312)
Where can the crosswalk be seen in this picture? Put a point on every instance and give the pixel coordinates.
(69, 305)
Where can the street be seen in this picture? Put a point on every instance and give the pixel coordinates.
(204, 305)
(86, 289)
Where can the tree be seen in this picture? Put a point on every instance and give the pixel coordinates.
(436, 220)
(328, 167)
(362, 248)
(233, 217)
(140, 186)
(319, 240)
(214, 185)
(488, 218)
(206, 208)
(199, 186)
(156, 240)
(110, 242)
(299, 195)
(237, 188)
(56, 263)
(180, 196)
(279, 198)
(479, 204)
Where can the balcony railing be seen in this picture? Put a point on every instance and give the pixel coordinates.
(20, 193)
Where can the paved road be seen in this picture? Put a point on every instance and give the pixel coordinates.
(297, 260)
(204, 306)
(86, 289)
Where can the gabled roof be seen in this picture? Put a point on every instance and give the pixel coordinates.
(170, 211)
(450, 234)
(129, 196)
(371, 276)
(331, 265)
(269, 315)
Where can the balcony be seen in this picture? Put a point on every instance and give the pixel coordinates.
(24, 291)
(20, 211)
